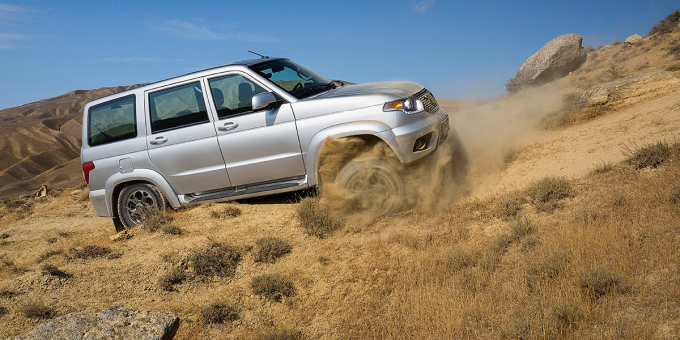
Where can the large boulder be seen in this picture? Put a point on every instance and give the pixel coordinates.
(555, 60)
(115, 323)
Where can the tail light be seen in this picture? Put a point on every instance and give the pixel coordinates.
(87, 167)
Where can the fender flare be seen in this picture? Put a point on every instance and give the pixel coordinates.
(139, 175)
(373, 128)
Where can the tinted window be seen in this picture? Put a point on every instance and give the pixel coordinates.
(233, 94)
(112, 121)
(177, 107)
(293, 78)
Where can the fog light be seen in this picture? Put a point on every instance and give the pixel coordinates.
(422, 143)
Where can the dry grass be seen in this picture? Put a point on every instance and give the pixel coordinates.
(647, 156)
(280, 334)
(168, 280)
(48, 254)
(547, 193)
(316, 218)
(53, 270)
(218, 312)
(270, 249)
(155, 220)
(88, 252)
(36, 310)
(230, 211)
(272, 286)
(666, 25)
(602, 280)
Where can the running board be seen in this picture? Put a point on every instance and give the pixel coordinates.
(242, 191)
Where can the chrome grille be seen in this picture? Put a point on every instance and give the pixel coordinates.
(428, 100)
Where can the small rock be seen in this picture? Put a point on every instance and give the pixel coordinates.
(633, 38)
(76, 192)
(114, 323)
(121, 236)
(42, 192)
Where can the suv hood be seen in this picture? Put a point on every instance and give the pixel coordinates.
(354, 97)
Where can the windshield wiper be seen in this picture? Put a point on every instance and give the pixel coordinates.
(309, 91)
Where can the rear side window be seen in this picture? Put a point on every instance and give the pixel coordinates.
(177, 107)
(112, 121)
(233, 95)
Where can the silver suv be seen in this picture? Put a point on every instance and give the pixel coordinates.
(250, 128)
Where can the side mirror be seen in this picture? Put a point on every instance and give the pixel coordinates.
(266, 101)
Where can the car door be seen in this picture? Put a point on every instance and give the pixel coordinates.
(181, 140)
(258, 146)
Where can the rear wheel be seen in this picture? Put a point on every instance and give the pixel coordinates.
(372, 186)
(135, 200)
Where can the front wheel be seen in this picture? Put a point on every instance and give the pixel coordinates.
(372, 186)
(135, 200)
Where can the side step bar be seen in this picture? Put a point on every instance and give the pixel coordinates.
(242, 191)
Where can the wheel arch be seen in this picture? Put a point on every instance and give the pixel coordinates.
(116, 183)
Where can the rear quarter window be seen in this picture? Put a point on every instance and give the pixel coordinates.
(112, 121)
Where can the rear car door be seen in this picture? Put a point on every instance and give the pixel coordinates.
(181, 139)
(258, 146)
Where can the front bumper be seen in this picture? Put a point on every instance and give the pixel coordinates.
(421, 137)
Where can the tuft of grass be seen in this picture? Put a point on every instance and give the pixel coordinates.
(172, 229)
(53, 270)
(590, 49)
(3, 310)
(35, 310)
(4, 236)
(674, 67)
(174, 276)
(7, 292)
(323, 260)
(647, 156)
(517, 329)
(514, 85)
(520, 228)
(615, 72)
(674, 51)
(155, 220)
(547, 192)
(566, 314)
(49, 253)
(460, 259)
(547, 269)
(315, 217)
(230, 211)
(217, 312)
(280, 334)
(509, 206)
(88, 252)
(272, 286)
(270, 249)
(617, 42)
(666, 25)
(603, 168)
(601, 281)
(215, 260)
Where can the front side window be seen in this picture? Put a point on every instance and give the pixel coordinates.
(233, 94)
(177, 107)
(293, 78)
(112, 121)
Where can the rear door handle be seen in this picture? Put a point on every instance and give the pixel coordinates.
(228, 126)
(159, 140)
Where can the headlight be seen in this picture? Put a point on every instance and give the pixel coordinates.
(409, 105)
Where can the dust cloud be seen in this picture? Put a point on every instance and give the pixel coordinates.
(480, 137)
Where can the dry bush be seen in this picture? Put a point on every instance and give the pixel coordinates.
(509, 205)
(547, 192)
(53, 270)
(602, 168)
(547, 269)
(155, 220)
(272, 286)
(316, 218)
(35, 309)
(88, 252)
(175, 275)
(172, 229)
(215, 260)
(218, 312)
(647, 156)
(21, 208)
(602, 280)
(666, 25)
(517, 329)
(4, 236)
(280, 334)
(567, 315)
(460, 259)
(521, 228)
(270, 249)
(230, 211)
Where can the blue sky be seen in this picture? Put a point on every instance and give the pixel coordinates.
(458, 50)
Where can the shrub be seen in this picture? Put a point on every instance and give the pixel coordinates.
(666, 25)
(513, 85)
(509, 205)
(270, 249)
(171, 229)
(172, 277)
(53, 270)
(280, 334)
(215, 260)
(601, 281)
(567, 314)
(674, 51)
(35, 309)
(546, 269)
(547, 192)
(460, 259)
(648, 156)
(520, 228)
(218, 313)
(517, 329)
(315, 217)
(230, 211)
(617, 42)
(590, 49)
(156, 219)
(272, 286)
(88, 252)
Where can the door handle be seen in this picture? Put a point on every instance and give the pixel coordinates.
(228, 126)
(159, 140)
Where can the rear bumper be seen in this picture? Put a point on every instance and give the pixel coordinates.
(429, 131)
(98, 199)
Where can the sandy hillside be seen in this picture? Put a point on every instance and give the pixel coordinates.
(557, 233)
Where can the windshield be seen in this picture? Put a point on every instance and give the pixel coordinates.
(293, 78)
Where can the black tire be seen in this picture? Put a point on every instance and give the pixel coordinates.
(135, 199)
(372, 186)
